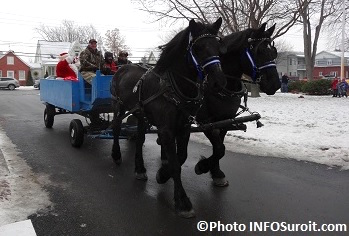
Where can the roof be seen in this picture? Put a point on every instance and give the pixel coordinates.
(8, 52)
(49, 51)
(333, 53)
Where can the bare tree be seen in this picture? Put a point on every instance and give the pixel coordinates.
(68, 32)
(237, 15)
(316, 11)
(114, 42)
(334, 27)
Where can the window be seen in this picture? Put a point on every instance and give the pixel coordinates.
(10, 60)
(329, 62)
(11, 74)
(333, 73)
(316, 62)
(21, 75)
(320, 73)
(51, 70)
(290, 61)
(290, 73)
(0, 73)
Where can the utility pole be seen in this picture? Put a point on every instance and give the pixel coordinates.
(343, 38)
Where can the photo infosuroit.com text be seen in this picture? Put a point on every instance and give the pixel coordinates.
(217, 226)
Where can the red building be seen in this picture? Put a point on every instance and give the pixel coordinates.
(14, 67)
(328, 64)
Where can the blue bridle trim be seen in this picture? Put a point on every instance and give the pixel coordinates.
(254, 67)
(210, 61)
(267, 65)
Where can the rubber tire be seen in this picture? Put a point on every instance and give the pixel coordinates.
(11, 87)
(49, 116)
(76, 132)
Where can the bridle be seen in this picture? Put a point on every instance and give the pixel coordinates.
(256, 69)
(200, 67)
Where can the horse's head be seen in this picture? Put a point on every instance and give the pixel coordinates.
(204, 50)
(261, 54)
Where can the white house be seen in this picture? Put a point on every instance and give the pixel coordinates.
(151, 57)
(47, 54)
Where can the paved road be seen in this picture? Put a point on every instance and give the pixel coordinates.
(91, 196)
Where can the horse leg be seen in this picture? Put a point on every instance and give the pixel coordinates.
(139, 162)
(211, 164)
(183, 205)
(182, 141)
(116, 126)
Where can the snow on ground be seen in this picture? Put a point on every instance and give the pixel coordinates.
(313, 128)
(21, 193)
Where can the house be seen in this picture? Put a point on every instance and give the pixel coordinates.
(328, 64)
(150, 58)
(47, 54)
(13, 66)
(292, 64)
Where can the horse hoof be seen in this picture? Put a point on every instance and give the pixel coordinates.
(118, 161)
(197, 169)
(220, 182)
(186, 214)
(160, 179)
(141, 176)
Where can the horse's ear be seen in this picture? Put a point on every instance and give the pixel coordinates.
(217, 25)
(262, 27)
(270, 31)
(192, 25)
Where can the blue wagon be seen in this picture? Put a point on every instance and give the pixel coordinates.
(73, 97)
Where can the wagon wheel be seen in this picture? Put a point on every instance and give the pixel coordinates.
(76, 131)
(49, 115)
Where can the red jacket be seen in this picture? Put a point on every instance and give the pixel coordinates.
(63, 70)
(112, 66)
(334, 84)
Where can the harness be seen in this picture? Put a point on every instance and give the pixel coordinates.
(169, 88)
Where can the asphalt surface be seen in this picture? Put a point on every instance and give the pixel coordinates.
(92, 196)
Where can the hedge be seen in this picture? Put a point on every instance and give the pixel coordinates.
(314, 87)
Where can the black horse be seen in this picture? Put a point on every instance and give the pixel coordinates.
(167, 96)
(250, 52)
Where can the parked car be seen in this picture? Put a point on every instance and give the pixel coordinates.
(37, 81)
(10, 83)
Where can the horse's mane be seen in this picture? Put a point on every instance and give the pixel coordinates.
(237, 40)
(174, 49)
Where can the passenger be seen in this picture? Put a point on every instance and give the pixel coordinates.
(342, 88)
(66, 68)
(334, 87)
(110, 66)
(122, 59)
(91, 60)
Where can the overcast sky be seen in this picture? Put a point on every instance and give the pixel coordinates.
(18, 19)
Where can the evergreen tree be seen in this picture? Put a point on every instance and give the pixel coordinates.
(30, 81)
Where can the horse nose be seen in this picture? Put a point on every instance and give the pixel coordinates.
(217, 77)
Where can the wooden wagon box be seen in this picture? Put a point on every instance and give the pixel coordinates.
(73, 96)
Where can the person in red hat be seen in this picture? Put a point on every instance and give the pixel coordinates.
(66, 69)
(91, 60)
